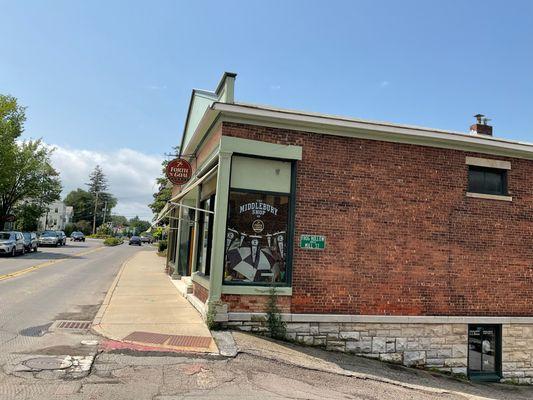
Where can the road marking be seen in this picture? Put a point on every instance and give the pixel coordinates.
(46, 264)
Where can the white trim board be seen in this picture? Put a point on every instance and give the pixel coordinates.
(258, 115)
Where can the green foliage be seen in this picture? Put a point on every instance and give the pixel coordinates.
(83, 203)
(12, 118)
(164, 191)
(28, 215)
(137, 225)
(97, 181)
(162, 245)
(158, 233)
(69, 228)
(119, 220)
(276, 326)
(112, 241)
(28, 182)
(104, 230)
(210, 318)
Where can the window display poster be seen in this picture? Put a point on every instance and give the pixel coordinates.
(256, 238)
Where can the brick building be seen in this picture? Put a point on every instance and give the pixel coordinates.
(407, 244)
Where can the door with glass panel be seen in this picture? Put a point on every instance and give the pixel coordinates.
(484, 352)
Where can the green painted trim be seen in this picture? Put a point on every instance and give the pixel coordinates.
(257, 148)
(201, 280)
(255, 290)
(219, 226)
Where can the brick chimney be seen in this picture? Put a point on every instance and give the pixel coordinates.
(481, 127)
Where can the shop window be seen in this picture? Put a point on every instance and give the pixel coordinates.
(257, 238)
(484, 352)
(205, 237)
(487, 180)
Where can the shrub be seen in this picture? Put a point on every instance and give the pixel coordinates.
(111, 241)
(162, 246)
(276, 326)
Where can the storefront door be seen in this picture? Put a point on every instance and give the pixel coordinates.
(484, 352)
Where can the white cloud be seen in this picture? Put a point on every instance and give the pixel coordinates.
(275, 87)
(131, 175)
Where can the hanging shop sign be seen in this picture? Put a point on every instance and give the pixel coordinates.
(179, 171)
(8, 218)
(313, 242)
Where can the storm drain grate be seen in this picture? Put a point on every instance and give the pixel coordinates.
(73, 325)
(147, 337)
(169, 340)
(189, 341)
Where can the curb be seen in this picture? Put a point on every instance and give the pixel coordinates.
(101, 311)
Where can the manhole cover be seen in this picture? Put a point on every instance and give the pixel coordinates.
(47, 363)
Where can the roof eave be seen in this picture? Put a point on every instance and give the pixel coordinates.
(376, 131)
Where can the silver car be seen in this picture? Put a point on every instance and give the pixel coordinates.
(12, 243)
(50, 238)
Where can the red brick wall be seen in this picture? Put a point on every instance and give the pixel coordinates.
(401, 236)
(200, 292)
(251, 303)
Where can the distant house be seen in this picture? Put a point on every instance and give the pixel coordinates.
(57, 217)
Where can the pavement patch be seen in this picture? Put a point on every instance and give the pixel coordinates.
(50, 368)
(36, 331)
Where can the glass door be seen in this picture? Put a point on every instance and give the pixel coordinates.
(484, 352)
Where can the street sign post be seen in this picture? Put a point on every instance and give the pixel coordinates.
(313, 242)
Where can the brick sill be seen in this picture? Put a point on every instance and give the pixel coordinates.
(489, 196)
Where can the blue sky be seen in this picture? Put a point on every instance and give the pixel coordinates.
(101, 76)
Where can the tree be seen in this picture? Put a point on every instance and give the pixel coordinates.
(97, 181)
(27, 178)
(12, 118)
(84, 206)
(28, 215)
(137, 225)
(119, 220)
(97, 184)
(82, 203)
(164, 192)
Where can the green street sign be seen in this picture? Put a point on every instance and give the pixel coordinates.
(313, 242)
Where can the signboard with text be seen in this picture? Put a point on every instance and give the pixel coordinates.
(313, 242)
(178, 171)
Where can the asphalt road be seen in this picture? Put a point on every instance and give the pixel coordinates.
(69, 283)
(66, 283)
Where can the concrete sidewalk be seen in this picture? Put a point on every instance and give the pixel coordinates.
(144, 309)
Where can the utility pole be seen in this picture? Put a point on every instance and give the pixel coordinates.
(105, 211)
(94, 216)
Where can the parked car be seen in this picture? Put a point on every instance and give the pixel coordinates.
(135, 240)
(77, 236)
(50, 238)
(62, 237)
(30, 241)
(147, 239)
(12, 243)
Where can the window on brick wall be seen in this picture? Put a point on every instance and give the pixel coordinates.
(257, 237)
(487, 180)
